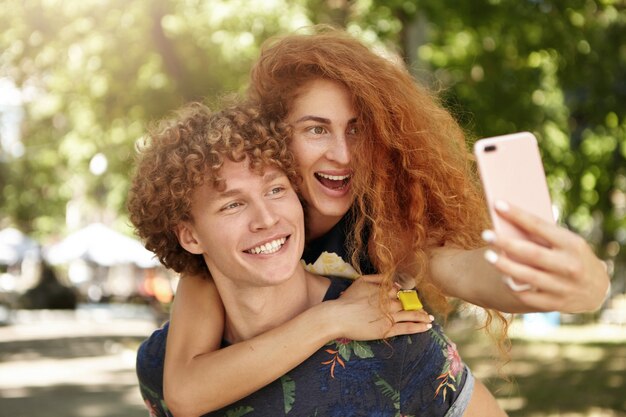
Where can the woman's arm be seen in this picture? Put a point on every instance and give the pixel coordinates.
(564, 276)
(199, 377)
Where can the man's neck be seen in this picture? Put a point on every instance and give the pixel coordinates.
(253, 310)
(318, 224)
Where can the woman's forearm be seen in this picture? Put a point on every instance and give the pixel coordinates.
(215, 379)
(465, 274)
(562, 273)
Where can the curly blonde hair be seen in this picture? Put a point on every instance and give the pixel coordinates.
(180, 154)
(415, 182)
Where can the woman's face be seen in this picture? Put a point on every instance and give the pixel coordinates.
(324, 127)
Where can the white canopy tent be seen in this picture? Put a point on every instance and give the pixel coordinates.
(102, 245)
(15, 246)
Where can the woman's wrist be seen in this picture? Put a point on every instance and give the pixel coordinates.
(326, 320)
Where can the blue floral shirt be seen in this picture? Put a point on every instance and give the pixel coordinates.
(416, 375)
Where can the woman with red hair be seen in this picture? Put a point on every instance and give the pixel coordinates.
(388, 188)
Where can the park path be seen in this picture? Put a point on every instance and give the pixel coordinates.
(73, 363)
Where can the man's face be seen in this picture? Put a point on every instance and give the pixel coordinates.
(252, 231)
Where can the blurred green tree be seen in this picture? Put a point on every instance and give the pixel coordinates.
(551, 67)
(94, 73)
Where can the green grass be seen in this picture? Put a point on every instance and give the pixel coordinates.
(571, 371)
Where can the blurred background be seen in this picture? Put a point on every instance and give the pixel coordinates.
(81, 80)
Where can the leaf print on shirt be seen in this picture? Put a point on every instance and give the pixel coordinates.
(345, 348)
(152, 403)
(151, 408)
(239, 411)
(452, 370)
(388, 391)
(336, 359)
(289, 392)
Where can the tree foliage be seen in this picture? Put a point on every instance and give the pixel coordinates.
(551, 67)
(93, 73)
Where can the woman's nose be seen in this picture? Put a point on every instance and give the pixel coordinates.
(339, 150)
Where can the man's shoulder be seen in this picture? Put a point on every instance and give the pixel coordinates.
(151, 359)
(336, 287)
(155, 343)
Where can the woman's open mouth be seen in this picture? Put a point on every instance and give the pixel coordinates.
(334, 182)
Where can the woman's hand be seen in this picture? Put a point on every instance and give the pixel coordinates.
(554, 270)
(360, 317)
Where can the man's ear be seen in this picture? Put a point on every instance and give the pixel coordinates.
(187, 238)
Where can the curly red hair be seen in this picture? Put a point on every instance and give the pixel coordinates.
(181, 154)
(415, 182)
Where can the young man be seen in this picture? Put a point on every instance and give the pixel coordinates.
(214, 191)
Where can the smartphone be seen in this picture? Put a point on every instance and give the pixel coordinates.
(510, 169)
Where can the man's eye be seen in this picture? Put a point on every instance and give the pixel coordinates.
(276, 190)
(231, 206)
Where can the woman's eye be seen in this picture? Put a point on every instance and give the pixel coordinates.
(317, 130)
(352, 130)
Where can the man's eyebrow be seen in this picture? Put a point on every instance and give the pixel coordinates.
(228, 193)
(269, 177)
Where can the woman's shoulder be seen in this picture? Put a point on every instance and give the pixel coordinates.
(195, 285)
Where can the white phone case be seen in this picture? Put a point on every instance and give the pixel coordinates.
(510, 169)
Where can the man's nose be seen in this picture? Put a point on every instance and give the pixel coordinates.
(264, 216)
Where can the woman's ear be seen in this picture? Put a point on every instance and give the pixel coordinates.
(185, 233)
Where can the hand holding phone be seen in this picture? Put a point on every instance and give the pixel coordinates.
(511, 170)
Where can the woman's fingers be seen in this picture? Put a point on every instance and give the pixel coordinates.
(402, 322)
(524, 275)
(568, 255)
(403, 328)
(400, 315)
(538, 229)
(409, 322)
(416, 316)
(532, 254)
(560, 267)
(578, 286)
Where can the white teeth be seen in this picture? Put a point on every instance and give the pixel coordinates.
(333, 177)
(269, 247)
